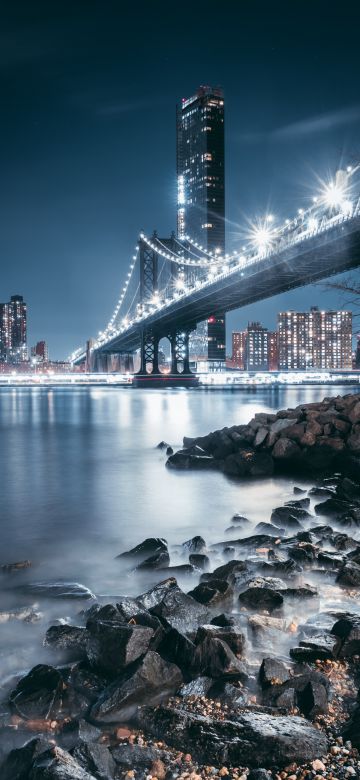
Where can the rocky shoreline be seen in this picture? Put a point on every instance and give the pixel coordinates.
(312, 437)
(252, 673)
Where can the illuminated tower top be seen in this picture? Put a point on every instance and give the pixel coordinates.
(201, 168)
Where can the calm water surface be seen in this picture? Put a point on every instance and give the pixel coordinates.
(82, 480)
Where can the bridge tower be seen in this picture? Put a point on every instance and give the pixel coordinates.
(149, 338)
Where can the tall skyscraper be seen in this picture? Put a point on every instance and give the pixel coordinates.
(201, 189)
(13, 330)
(315, 339)
(257, 350)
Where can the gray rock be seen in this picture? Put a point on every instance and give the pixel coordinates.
(112, 645)
(152, 681)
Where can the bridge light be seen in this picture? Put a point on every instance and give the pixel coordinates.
(313, 224)
(269, 218)
(346, 207)
(261, 237)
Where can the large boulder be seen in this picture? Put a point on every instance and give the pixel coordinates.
(38, 694)
(95, 759)
(160, 560)
(178, 610)
(249, 739)
(69, 641)
(347, 629)
(212, 592)
(58, 764)
(18, 762)
(151, 680)
(112, 645)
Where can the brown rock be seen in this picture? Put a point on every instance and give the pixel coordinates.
(328, 441)
(354, 413)
(285, 448)
(314, 427)
(341, 425)
(308, 439)
(294, 431)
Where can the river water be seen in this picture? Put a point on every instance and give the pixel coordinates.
(82, 481)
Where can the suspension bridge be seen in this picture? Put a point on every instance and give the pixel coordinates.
(174, 284)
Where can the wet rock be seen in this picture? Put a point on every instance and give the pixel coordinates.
(351, 730)
(269, 528)
(321, 491)
(68, 640)
(227, 571)
(297, 490)
(145, 549)
(151, 680)
(59, 590)
(177, 648)
(169, 451)
(163, 445)
(195, 545)
(160, 560)
(272, 672)
(349, 575)
(284, 515)
(152, 597)
(313, 700)
(8, 568)
(18, 763)
(347, 629)
(76, 731)
(112, 645)
(260, 774)
(250, 739)
(136, 757)
(191, 458)
(222, 620)
(332, 507)
(183, 569)
(57, 764)
(315, 648)
(215, 659)
(303, 552)
(263, 593)
(200, 561)
(233, 637)
(126, 608)
(198, 687)
(212, 592)
(286, 450)
(95, 759)
(301, 503)
(179, 610)
(266, 627)
(86, 681)
(38, 694)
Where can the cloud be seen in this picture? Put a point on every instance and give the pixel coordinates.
(318, 124)
(304, 127)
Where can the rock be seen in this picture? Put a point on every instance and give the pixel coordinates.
(272, 672)
(38, 694)
(212, 592)
(195, 545)
(177, 648)
(301, 503)
(194, 458)
(249, 740)
(112, 645)
(215, 659)
(316, 648)
(18, 762)
(152, 680)
(160, 560)
(79, 731)
(351, 729)
(178, 610)
(262, 593)
(259, 774)
(283, 514)
(68, 640)
(347, 629)
(286, 450)
(233, 637)
(227, 571)
(200, 561)
(59, 590)
(138, 757)
(313, 700)
(222, 620)
(349, 575)
(155, 595)
(163, 445)
(298, 490)
(183, 569)
(269, 528)
(266, 627)
(57, 764)
(145, 549)
(198, 687)
(95, 759)
(169, 451)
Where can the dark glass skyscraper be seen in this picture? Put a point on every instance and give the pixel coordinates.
(13, 330)
(201, 185)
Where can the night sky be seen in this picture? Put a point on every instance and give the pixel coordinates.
(87, 135)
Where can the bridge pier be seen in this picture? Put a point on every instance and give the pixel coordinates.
(149, 353)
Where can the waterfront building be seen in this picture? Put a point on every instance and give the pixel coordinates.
(40, 352)
(357, 352)
(256, 352)
(315, 339)
(238, 349)
(273, 350)
(201, 196)
(13, 330)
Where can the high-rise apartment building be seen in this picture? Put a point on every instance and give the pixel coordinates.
(257, 350)
(201, 189)
(315, 339)
(13, 330)
(238, 349)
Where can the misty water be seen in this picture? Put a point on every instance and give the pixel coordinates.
(82, 481)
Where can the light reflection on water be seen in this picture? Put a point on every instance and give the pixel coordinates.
(81, 479)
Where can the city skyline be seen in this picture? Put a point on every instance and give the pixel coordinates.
(78, 178)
